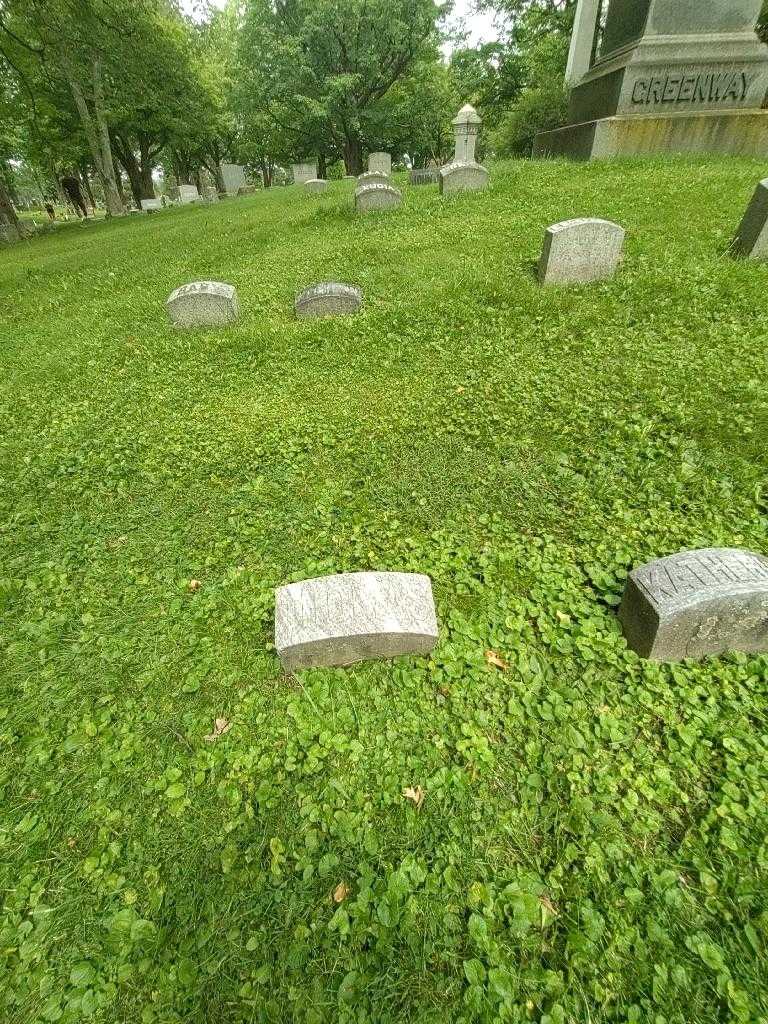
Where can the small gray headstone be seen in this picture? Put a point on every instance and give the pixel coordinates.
(579, 251)
(462, 178)
(316, 185)
(203, 304)
(696, 603)
(151, 204)
(373, 178)
(246, 190)
(377, 197)
(233, 177)
(304, 172)
(337, 620)
(188, 194)
(329, 298)
(751, 240)
(381, 162)
(423, 176)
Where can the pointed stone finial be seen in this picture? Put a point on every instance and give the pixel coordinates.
(467, 115)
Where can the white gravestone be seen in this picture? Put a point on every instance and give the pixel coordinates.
(377, 197)
(233, 178)
(304, 172)
(373, 178)
(330, 298)
(338, 620)
(316, 185)
(697, 603)
(188, 194)
(751, 240)
(580, 251)
(464, 172)
(423, 176)
(380, 162)
(203, 304)
(151, 204)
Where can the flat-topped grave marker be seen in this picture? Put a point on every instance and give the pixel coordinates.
(304, 172)
(377, 197)
(580, 251)
(151, 204)
(203, 304)
(696, 603)
(329, 298)
(338, 620)
(316, 185)
(188, 194)
(381, 162)
(232, 177)
(423, 176)
(751, 240)
(464, 172)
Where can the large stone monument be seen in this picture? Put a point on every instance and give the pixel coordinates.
(463, 172)
(233, 178)
(664, 76)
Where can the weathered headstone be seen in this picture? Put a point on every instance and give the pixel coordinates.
(463, 172)
(304, 172)
(664, 76)
(380, 163)
(188, 194)
(330, 298)
(751, 241)
(203, 304)
(151, 204)
(373, 178)
(246, 190)
(696, 603)
(316, 185)
(349, 177)
(580, 251)
(377, 197)
(233, 178)
(338, 620)
(211, 194)
(423, 176)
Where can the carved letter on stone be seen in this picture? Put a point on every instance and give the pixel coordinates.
(203, 304)
(696, 603)
(580, 251)
(337, 620)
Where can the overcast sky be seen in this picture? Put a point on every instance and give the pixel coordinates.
(479, 26)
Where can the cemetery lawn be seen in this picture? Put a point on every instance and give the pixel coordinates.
(585, 836)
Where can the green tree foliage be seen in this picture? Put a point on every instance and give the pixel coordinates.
(319, 68)
(490, 77)
(415, 116)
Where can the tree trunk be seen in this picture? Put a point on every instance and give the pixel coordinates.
(353, 156)
(118, 180)
(145, 154)
(10, 228)
(322, 167)
(87, 182)
(97, 134)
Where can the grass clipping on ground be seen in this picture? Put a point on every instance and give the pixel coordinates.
(531, 824)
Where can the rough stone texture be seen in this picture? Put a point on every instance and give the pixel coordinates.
(337, 620)
(373, 178)
(316, 185)
(380, 162)
(377, 197)
(330, 298)
(579, 251)
(304, 172)
(423, 176)
(188, 194)
(233, 177)
(672, 61)
(696, 603)
(246, 190)
(751, 240)
(203, 304)
(210, 194)
(463, 172)
(151, 204)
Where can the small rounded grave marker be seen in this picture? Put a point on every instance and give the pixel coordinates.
(377, 197)
(696, 603)
(203, 304)
(329, 298)
(580, 251)
(337, 620)
(316, 185)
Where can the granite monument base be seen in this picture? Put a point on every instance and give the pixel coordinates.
(735, 132)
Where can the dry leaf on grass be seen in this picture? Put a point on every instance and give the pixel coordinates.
(341, 892)
(415, 794)
(496, 659)
(194, 585)
(548, 905)
(220, 726)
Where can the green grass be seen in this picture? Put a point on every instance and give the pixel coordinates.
(592, 845)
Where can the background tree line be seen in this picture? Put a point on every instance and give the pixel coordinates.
(110, 92)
